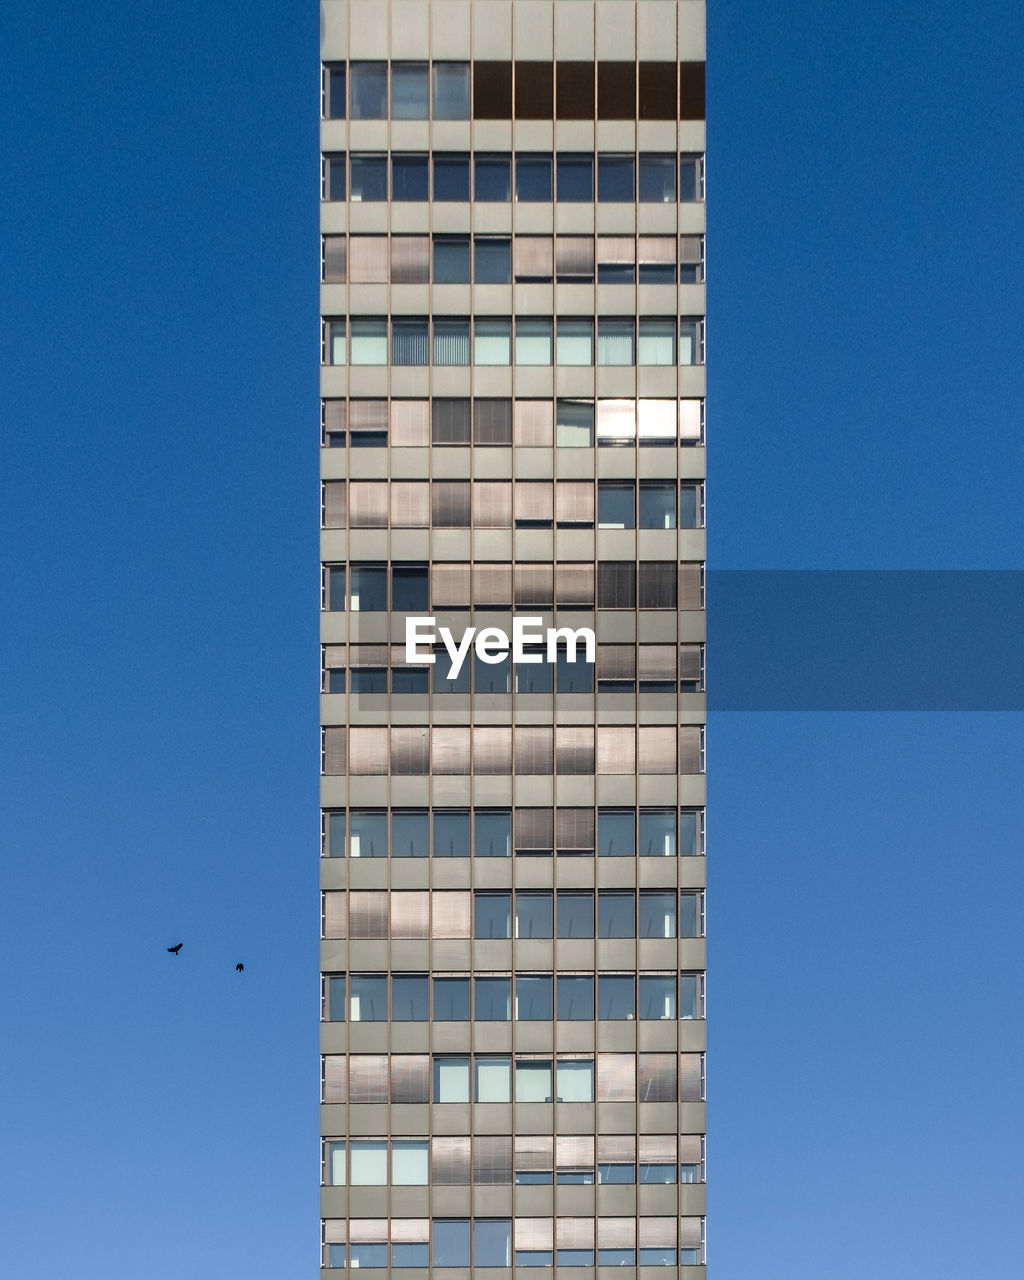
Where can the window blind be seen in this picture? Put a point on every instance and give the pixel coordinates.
(534, 827)
(450, 748)
(335, 915)
(534, 423)
(410, 423)
(335, 741)
(449, 1160)
(574, 749)
(574, 503)
(335, 1081)
(534, 585)
(368, 914)
(574, 829)
(410, 504)
(369, 751)
(335, 256)
(410, 751)
(534, 750)
(616, 749)
(368, 504)
(368, 1077)
(691, 752)
(334, 504)
(368, 259)
(656, 749)
(492, 504)
(450, 586)
(410, 259)
(410, 913)
(410, 1077)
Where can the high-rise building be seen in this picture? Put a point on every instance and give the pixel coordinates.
(513, 860)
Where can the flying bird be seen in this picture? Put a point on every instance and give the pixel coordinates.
(239, 968)
(174, 950)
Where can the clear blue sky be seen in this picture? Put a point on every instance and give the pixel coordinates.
(158, 749)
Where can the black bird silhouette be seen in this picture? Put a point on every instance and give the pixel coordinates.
(174, 950)
(239, 968)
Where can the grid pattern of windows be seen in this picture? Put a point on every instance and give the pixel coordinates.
(512, 850)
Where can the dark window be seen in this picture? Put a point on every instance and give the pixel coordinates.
(369, 178)
(574, 677)
(336, 680)
(368, 680)
(451, 999)
(410, 340)
(575, 998)
(334, 177)
(409, 592)
(492, 260)
(533, 177)
(616, 833)
(616, 915)
(616, 997)
(450, 422)
(451, 176)
(575, 914)
(369, 90)
(451, 834)
(615, 178)
(409, 833)
(409, 177)
(616, 91)
(451, 1242)
(409, 998)
(615, 504)
(334, 104)
(657, 505)
(409, 680)
(492, 177)
(493, 999)
(334, 1004)
(616, 584)
(535, 91)
(689, 178)
(534, 998)
(492, 90)
(410, 91)
(492, 833)
(691, 90)
(369, 588)
(574, 91)
(451, 260)
(534, 915)
(657, 91)
(657, 585)
(575, 178)
(492, 915)
(657, 179)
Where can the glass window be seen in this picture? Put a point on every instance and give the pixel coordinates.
(451, 999)
(410, 343)
(616, 833)
(445, 684)
(575, 178)
(574, 677)
(575, 340)
(368, 680)
(534, 998)
(369, 178)
(575, 997)
(534, 913)
(492, 677)
(410, 91)
(492, 341)
(492, 259)
(492, 177)
(574, 424)
(451, 1242)
(615, 340)
(334, 1172)
(690, 342)
(409, 998)
(369, 90)
(657, 506)
(533, 677)
(575, 1082)
(657, 996)
(533, 340)
(493, 1079)
(369, 589)
(534, 1082)
(335, 187)
(614, 178)
(369, 341)
(689, 178)
(335, 1003)
(616, 915)
(616, 1173)
(409, 1163)
(690, 506)
(410, 835)
(689, 996)
(334, 107)
(336, 342)
(369, 997)
(575, 914)
(451, 260)
(659, 1174)
(533, 177)
(657, 179)
(451, 176)
(451, 90)
(493, 999)
(451, 834)
(335, 833)
(616, 1001)
(409, 589)
(657, 914)
(656, 342)
(690, 923)
(615, 502)
(451, 1079)
(657, 833)
(492, 1242)
(690, 842)
(493, 915)
(368, 834)
(409, 177)
(492, 834)
(411, 1255)
(451, 341)
(656, 1257)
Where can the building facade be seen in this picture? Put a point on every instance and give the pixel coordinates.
(513, 866)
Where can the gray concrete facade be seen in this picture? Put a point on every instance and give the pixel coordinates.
(513, 860)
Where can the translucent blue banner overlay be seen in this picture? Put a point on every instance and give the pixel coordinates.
(865, 640)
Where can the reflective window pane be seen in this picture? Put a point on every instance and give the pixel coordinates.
(575, 998)
(451, 1242)
(575, 177)
(616, 915)
(614, 178)
(451, 834)
(534, 915)
(451, 176)
(409, 177)
(492, 833)
(492, 177)
(451, 1079)
(657, 506)
(657, 997)
(410, 836)
(615, 997)
(451, 90)
(451, 260)
(657, 915)
(534, 998)
(492, 259)
(657, 179)
(410, 91)
(369, 998)
(575, 914)
(657, 833)
(369, 90)
(451, 999)
(368, 834)
(493, 999)
(409, 998)
(493, 1082)
(615, 500)
(369, 178)
(656, 341)
(533, 177)
(492, 915)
